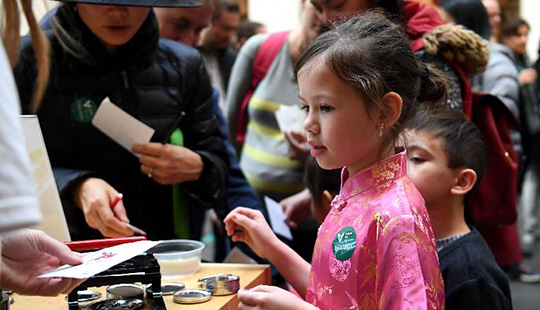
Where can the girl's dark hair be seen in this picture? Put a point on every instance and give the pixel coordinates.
(469, 13)
(318, 180)
(372, 54)
(512, 25)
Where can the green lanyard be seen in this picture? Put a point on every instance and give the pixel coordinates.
(180, 211)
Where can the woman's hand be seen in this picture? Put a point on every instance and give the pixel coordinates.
(26, 254)
(169, 164)
(527, 76)
(94, 196)
(250, 226)
(265, 297)
(298, 147)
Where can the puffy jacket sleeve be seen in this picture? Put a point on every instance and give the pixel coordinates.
(202, 135)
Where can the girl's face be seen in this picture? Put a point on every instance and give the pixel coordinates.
(338, 126)
(113, 25)
(518, 42)
(331, 10)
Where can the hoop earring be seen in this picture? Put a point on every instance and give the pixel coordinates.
(381, 130)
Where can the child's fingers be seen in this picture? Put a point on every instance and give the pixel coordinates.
(251, 213)
(244, 222)
(249, 298)
(263, 288)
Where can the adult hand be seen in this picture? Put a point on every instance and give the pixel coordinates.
(298, 147)
(250, 226)
(297, 207)
(94, 196)
(27, 254)
(264, 297)
(527, 76)
(169, 164)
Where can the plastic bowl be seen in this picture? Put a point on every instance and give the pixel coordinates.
(178, 257)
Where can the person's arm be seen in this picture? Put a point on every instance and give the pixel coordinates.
(202, 136)
(249, 226)
(239, 82)
(501, 80)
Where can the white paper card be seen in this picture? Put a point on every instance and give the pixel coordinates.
(120, 126)
(277, 218)
(98, 261)
(290, 118)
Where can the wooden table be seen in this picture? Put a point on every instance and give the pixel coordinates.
(250, 276)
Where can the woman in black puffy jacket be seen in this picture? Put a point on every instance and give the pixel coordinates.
(114, 51)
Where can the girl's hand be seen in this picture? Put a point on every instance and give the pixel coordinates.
(265, 297)
(169, 164)
(250, 226)
(94, 196)
(298, 147)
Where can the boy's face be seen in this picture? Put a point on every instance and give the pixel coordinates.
(428, 167)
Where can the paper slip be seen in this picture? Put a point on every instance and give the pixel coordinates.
(120, 126)
(277, 218)
(98, 261)
(290, 118)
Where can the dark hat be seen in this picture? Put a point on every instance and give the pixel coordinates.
(150, 3)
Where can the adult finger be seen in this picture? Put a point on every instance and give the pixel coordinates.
(151, 148)
(151, 161)
(112, 224)
(120, 212)
(57, 249)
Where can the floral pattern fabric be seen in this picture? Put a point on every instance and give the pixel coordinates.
(376, 249)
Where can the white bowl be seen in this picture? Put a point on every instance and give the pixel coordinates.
(178, 257)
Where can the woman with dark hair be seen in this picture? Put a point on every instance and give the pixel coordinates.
(112, 49)
(514, 34)
(468, 13)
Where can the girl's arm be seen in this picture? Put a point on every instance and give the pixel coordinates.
(249, 226)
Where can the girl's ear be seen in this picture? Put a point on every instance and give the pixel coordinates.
(392, 105)
(465, 180)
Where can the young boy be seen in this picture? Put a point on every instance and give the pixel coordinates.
(447, 157)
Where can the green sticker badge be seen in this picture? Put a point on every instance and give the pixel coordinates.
(344, 243)
(83, 109)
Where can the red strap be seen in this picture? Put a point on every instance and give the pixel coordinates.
(261, 64)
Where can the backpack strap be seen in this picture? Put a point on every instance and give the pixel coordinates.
(261, 64)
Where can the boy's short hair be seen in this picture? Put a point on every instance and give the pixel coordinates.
(463, 143)
(318, 180)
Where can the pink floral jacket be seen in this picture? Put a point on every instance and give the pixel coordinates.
(376, 249)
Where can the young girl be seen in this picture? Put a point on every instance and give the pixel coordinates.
(112, 49)
(359, 84)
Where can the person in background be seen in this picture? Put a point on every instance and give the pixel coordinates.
(25, 254)
(375, 249)
(184, 25)
(216, 49)
(323, 186)
(113, 50)
(447, 157)
(514, 34)
(495, 18)
(247, 30)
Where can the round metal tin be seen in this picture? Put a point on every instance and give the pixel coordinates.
(191, 296)
(87, 295)
(115, 304)
(125, 291)
(221, 284)
(167, 288)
